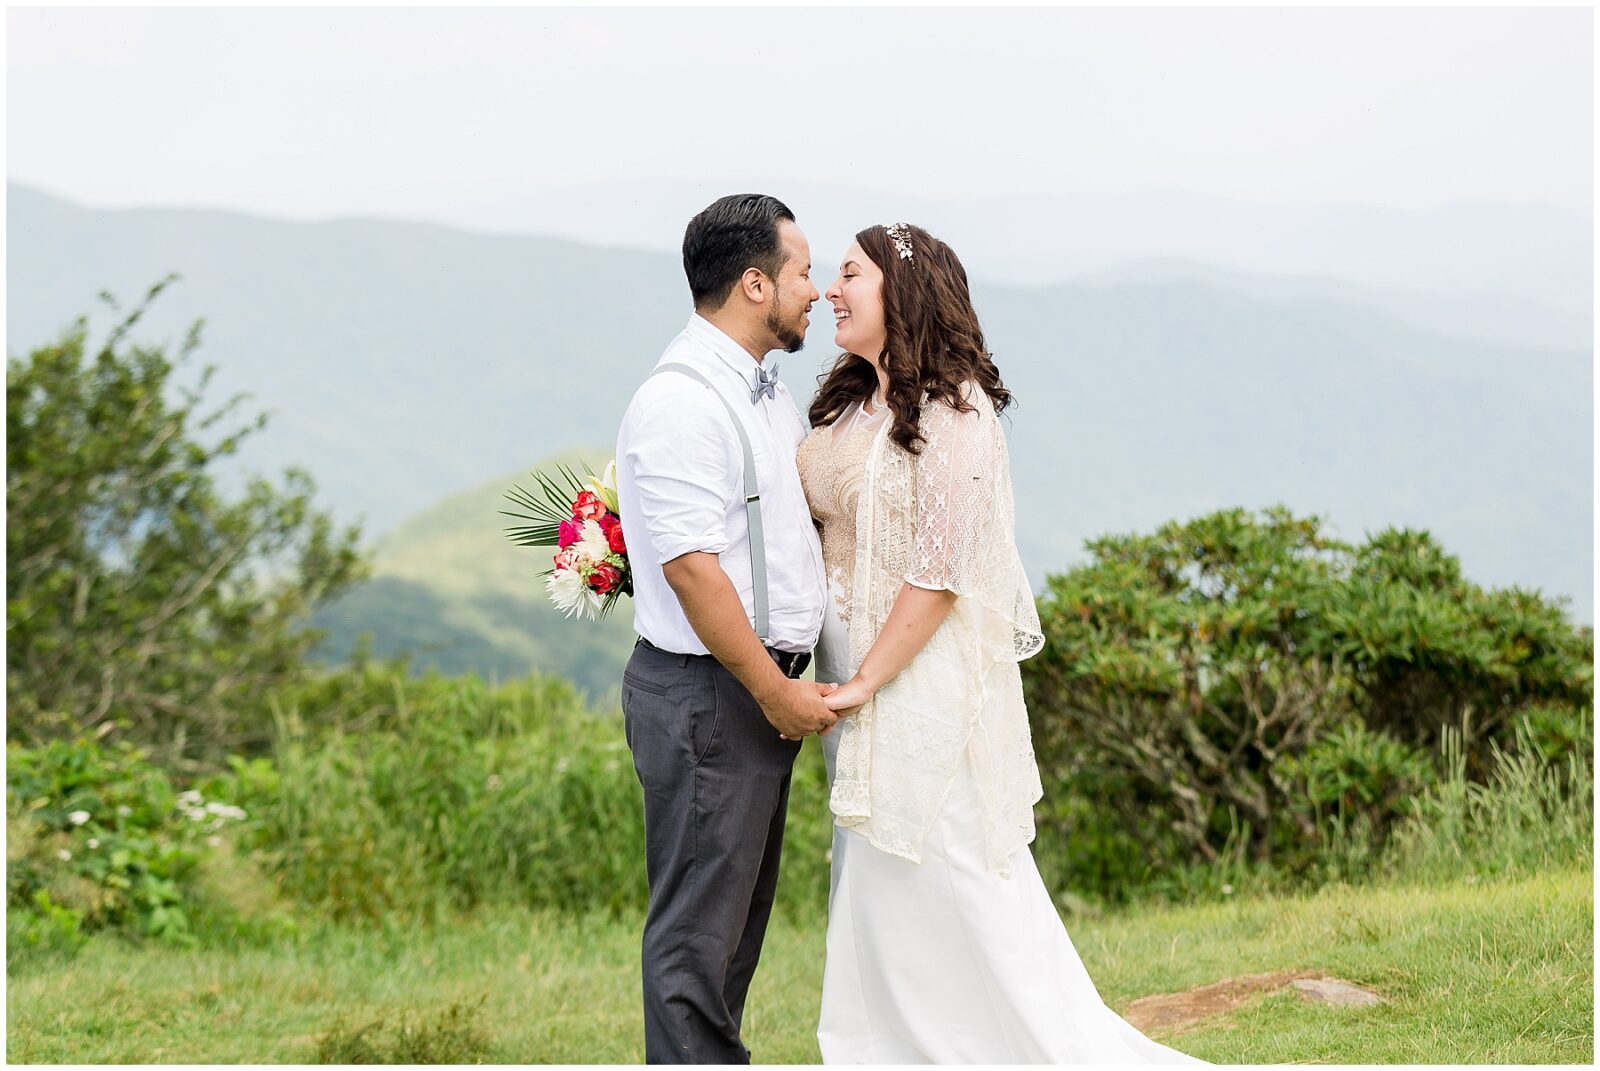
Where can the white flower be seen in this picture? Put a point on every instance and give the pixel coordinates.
(94, 842)
(566, 590)
(195, 813)
(1227, 890)
(215, 842)
(562, 763)
(592, 543)
(77, 818)
(63, 855)
(606, 486)
(225, 810)
(124, 811)
(191, 796)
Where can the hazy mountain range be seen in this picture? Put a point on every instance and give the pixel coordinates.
(408, 363)
(1497, 272)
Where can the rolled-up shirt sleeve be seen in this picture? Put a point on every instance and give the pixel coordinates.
(684, 475)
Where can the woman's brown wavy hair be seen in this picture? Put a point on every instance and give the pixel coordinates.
(933, 341)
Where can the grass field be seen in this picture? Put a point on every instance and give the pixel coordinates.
(1473, 972)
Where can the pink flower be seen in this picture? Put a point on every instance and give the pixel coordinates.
(567, 559)
(604, 578)
(588, 507)
(568, 534)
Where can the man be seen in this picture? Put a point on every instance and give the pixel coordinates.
(714, 715)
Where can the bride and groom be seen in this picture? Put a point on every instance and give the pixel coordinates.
(876, 536)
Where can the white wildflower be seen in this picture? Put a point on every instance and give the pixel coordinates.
(94, 842)
(1227, 890)
(192, 796)
(124, 811)
(195, 814)
(63, 855)
(225, 810)
(562, 763)
(77, 818)
(215, 842)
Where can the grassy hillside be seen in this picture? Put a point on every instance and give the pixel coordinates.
(1472, 973)
(451, 590)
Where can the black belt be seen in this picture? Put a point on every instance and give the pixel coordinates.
(793, 663)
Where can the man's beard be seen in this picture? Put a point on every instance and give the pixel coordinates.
(788, 337)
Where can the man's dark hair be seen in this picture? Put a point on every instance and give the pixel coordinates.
(731, 234)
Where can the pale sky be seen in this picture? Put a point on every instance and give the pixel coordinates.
(417, 112)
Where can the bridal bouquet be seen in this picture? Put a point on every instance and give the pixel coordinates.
(580, 518)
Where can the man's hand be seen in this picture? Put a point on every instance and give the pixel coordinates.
(797, 709)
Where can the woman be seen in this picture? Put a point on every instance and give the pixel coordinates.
(943, 944)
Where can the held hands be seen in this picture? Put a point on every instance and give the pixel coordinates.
(799, 709)
(847, 698)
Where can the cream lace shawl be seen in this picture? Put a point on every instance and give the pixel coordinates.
(942, 519)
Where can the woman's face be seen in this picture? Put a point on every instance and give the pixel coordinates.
(857, 297)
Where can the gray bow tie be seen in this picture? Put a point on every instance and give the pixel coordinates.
(766, 383)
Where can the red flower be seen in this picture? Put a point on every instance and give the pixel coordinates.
(568, 534)
(614, 539)
(604, 578)
(588, 507)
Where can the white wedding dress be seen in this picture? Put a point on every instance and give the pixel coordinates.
(941, 961)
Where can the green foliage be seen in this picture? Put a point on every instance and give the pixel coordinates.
(393, 796)
(449, 795)
(1429, 649)
(1354, 771)
(41, 929)
(1531, 815)
(1222, 690)
(100, 835)
(138, 595)
(1176, 675)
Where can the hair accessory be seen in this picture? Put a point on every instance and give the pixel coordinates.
(900, 235)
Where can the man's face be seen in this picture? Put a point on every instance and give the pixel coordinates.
(788, 316)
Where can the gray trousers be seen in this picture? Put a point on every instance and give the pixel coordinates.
(716, 789)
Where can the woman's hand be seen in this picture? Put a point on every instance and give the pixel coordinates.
(850, 696)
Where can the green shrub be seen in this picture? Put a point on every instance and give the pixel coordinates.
(101, 834)
(1355, 777)
(1190, 699)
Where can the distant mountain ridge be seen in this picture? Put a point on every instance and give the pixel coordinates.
(407, 360)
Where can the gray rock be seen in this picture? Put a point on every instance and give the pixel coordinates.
(1333, 991)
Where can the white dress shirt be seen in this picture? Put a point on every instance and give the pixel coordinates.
(680, 486)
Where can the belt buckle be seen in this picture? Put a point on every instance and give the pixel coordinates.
(788, 661)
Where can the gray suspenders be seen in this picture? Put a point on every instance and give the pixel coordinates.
(752, 498)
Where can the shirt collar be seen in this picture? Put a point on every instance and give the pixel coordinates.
(727, 350)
